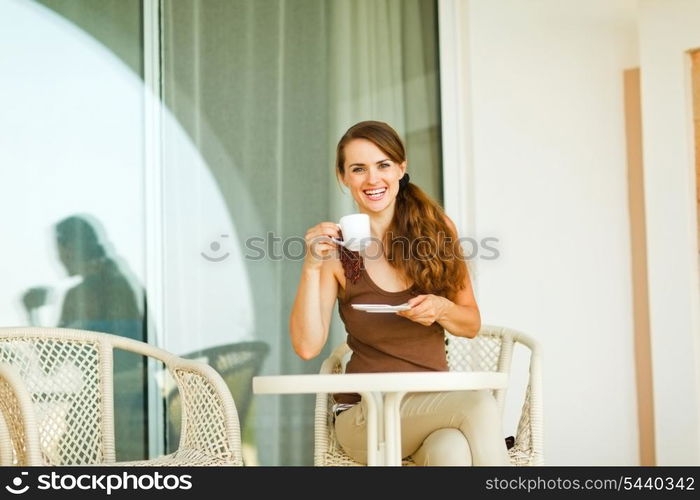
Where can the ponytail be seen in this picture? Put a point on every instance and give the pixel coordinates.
(422, 245)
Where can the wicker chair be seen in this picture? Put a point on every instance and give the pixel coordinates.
(237, 364)
(57, 393)
(491, 350)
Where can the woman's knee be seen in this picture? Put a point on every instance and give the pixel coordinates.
(444, 447)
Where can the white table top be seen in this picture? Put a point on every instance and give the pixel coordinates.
(379, 382)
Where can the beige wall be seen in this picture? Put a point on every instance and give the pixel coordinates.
(550, 181)
(668, 30)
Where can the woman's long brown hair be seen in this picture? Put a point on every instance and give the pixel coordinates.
(419, 243)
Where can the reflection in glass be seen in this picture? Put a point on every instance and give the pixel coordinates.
(103, 301)
(75, 144)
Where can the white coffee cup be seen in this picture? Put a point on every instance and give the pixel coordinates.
(356, 232)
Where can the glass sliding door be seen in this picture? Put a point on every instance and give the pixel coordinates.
(71, 180)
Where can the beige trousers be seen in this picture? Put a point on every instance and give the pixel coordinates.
(437, 428)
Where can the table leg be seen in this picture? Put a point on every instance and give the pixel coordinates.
(392, 427)
(375, 431)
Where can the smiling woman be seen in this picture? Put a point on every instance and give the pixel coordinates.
(457, 428)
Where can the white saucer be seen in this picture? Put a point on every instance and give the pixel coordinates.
(380, 308)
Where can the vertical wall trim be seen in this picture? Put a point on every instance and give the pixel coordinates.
(693, 96)
(640, 286)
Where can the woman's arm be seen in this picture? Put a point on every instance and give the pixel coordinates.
(310, 318)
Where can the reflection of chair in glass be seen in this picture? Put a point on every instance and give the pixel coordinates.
(57, 393)
(491, 350)
(237, 364)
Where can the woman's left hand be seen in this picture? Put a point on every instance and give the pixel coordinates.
(426, 309)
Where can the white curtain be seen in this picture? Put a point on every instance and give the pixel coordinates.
(383, 66)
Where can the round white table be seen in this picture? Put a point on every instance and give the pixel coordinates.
(383, 393)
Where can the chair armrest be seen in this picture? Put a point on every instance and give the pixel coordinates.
(210, 430)
(209, 417)
(6, 450)
(327, 451)
(18, 421)
(529, 439)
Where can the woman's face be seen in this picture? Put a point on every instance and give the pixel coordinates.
(373, 179)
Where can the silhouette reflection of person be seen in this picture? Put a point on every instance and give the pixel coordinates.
(104, 301)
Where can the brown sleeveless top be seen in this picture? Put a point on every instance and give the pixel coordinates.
(384, 342)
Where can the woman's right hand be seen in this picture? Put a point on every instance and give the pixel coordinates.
(319, 246)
